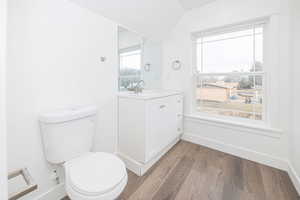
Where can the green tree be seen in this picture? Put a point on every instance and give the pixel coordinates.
(248, 83)
(245, 83)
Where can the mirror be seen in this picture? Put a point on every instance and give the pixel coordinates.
(130, 59)
(139, 59)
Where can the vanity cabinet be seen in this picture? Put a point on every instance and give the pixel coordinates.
(149, 125)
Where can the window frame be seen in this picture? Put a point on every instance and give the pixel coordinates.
(196, 74)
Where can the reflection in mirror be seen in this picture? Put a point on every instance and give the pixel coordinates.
(130, 59)
(152, 59)
(140, 59)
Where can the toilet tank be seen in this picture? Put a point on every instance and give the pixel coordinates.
(68, 133)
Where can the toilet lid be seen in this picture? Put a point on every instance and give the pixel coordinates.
(96, 173)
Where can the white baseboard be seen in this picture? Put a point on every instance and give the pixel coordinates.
(294, 177)
(140, 168)
(131, 164)
(56, 193)
(237, 151)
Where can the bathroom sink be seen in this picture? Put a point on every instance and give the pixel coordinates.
(147, 94)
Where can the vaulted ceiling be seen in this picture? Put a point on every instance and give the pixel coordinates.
(150, 18)
(190, 4)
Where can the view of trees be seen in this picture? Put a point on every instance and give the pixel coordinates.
(245, 82)
(249, 81)
(133, 77)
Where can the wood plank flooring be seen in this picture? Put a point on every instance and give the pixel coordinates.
(192, 172)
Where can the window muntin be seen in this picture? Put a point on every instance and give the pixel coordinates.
(230, 78)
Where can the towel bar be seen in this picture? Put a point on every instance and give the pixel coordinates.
(31, 185)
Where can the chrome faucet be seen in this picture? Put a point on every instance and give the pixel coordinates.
(138, 88)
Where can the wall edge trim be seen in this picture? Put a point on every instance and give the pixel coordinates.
(294, 177)
(238, 151)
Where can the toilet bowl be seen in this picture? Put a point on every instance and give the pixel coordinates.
(95, 176)
(68, 137)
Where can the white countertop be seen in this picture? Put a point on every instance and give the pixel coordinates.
(148, 94)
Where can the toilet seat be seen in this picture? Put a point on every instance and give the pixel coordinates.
(95, 175)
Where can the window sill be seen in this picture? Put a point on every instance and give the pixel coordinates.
(229, 124)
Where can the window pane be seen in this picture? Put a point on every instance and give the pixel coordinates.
(232, 95)
(259, 29)
(238, 51)
(259, 52)
(232, 55)
(199, 57)
(130, 63)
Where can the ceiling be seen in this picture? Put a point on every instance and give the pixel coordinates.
(151, 18)
(190, 4)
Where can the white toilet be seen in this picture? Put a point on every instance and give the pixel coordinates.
(68, 136)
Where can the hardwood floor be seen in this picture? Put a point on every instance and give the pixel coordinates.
(192, 172)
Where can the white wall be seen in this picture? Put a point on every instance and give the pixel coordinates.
(295, 139)
(54, 61)
(3, 171)
(151, 18)
(53, 57)
(223, 13)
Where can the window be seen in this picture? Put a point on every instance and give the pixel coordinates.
(130, 68)
(230, 76)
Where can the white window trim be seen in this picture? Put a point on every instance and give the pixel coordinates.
(219, 30)
(229, 28)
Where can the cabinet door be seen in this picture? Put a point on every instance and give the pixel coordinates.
(132, 128)
(157, 120)
(162, 124)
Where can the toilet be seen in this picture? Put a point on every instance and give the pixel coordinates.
(67, 138)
